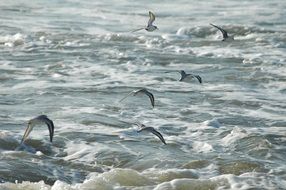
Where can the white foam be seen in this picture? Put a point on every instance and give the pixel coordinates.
(213, 123)
(12, 40)
(39, 153)
(253, 180)
(183, 31)
(108, 180)
(228, 181)
(128, 178)
(119, 37)
(34, 84)
(202, 147)
(218, 52)
(169, 174)
(235, 134)
(8, 136)
(191, 184)
(25, 185)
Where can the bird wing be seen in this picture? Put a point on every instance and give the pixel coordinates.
(182, 72)
(139, 124)
(132, 92)
(27, 132)
(198, 77)
(151, 97)
(137, 30)
(158, 135)
(183, 75)
(224, 33)
(154, 131)
(135, 92)
(152, 18)
(32, 122)
(51, 127)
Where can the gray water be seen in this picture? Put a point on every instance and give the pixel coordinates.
(74, 60)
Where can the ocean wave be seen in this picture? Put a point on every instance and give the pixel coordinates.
(127, 178)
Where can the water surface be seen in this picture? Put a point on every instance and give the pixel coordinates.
(74, 60)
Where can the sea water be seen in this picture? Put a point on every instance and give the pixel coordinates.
(73, 60)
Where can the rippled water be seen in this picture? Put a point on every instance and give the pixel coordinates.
(74, 60)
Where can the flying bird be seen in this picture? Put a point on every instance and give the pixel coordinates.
(150, 27)
(144, 91)
(152, 130)
(42, 119)
(225, 36)
(184, 75)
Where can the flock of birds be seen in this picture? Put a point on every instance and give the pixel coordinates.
(43, 119)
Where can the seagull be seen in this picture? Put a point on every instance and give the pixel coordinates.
(142, 90)
(150, 129)
(150, 27)
(184, 75)
(225, 36)
(39, 120)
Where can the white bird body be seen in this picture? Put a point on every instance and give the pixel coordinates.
(185, 75)
(150, 27)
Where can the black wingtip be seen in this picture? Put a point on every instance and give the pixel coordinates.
(51, 128)
(199, 79)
